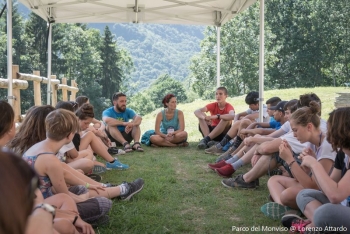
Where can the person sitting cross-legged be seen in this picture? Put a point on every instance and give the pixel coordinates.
(170, 125)
(118, 127)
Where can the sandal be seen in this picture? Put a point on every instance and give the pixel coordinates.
(138, 147)
(127, 147)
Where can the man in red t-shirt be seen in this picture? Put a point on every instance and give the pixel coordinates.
(215, 126)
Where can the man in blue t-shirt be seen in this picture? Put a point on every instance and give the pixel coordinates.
(119, 128)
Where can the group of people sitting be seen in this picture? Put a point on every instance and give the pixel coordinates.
(306, 157)
(52, 157)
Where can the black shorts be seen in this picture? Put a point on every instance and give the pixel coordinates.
(126, 136)
(221, 135)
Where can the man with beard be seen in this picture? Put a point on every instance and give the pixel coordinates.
(118, 127)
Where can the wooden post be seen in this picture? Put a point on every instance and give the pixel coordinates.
(64, 91)
(73, 92)
(17, 95)
(54, 91)
(37, 90)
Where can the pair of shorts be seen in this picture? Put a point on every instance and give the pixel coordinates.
(220, 136)
(126, 136)
(283, 163)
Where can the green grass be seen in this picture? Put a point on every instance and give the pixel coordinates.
(181, 195)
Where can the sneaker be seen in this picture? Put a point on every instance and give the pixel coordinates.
(97, 169)
(95, 177)
(227, 155)
(211, 143)
(294, 222)
(227, 146)
(225, 171)
(133, 188)
(238, 181)
(202, 144)
(116, 165)
(214, 150)
(214, 166)
(274, 210)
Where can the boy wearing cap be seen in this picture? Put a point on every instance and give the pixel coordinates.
(263, 128)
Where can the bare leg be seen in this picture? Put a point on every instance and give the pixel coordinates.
(288, 196)
(278, 184)
(116, 134)
(62, 225)
(97, 145)
(218, 129)
(160, 141)
(260, 169)
(269, 147)
(136, 133)
(84, 164)
(204, 127)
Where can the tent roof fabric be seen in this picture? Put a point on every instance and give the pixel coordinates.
(200, 12)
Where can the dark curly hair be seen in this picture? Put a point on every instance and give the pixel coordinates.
(338, 134)
(166, 99)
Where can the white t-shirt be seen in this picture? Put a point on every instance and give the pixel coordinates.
(324, 151)
(286, 127)
(60, 154)
(265, 114)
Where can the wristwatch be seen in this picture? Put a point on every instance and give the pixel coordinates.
(48, 208)
(218, 115)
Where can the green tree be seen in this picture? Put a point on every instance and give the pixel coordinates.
(163, 86)
(142, 104)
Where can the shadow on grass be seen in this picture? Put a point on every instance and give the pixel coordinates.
(182, 195)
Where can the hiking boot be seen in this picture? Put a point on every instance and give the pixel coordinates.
(227, 155)
(274, 210)
(214, 166)
(225, 171)
(239, 182)
(214, 150)
(95, 177)
(97, 169)
(202, 144)
(116, 165)
(133, 188)
(294, 223)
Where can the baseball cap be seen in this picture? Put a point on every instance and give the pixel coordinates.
(279, 106)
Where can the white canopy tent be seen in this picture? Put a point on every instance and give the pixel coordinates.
(200, 12)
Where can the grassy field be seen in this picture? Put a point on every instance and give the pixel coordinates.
(181, 195)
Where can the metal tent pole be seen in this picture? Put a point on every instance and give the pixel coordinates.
(10, 96)
(49, 43)
(218, 56)
(261, 60)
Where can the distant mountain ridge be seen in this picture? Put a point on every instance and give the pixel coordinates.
(157, 49)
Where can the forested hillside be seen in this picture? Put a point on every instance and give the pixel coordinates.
(157, 49)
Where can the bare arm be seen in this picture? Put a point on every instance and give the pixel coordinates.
(239, 115)
(181, 118)
(335, 191)
(157, 125)
(200, 113)
(113, 122)
(277, 133)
